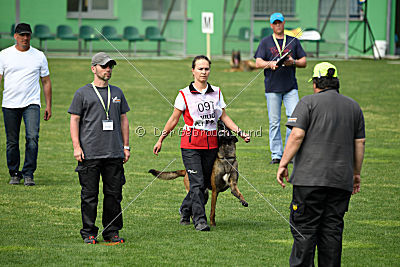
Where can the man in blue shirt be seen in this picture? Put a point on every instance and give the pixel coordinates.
(280, 81)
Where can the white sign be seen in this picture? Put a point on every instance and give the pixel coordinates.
(207, 22)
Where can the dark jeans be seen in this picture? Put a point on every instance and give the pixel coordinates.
(12, 123)
(317, 213)
(112, 173)
(198, 164)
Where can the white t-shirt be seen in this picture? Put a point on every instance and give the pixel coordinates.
(180, 102)
(21, 72)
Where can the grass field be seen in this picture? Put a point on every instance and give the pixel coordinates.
(40, 225)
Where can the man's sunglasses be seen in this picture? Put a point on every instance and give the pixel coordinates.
(111, 65)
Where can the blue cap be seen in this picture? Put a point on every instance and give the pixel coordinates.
(276, 16)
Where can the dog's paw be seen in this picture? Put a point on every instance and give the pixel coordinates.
(244, 203)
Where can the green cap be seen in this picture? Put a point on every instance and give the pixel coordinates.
(321, 70)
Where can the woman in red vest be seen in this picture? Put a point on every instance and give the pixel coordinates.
(202, 105)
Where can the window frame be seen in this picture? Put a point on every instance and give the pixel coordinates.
(93, 13)
(155, 14)
(290, 14)
(342, 13)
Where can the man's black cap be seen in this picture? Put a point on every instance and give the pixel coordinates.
(23, 28)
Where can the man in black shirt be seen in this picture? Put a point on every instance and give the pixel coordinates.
(328, 139)
(100, 137)
(280, 81)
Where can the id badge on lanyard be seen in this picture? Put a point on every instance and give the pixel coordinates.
(108, 124)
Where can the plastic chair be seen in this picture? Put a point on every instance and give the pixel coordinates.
(64, 32)
(110, 33)
(42, 32)
(12, 30)
(88, 35)
(131, 34)
(264, 33)
(244, 34)
(153, 34)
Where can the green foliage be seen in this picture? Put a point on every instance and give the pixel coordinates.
(40, 225)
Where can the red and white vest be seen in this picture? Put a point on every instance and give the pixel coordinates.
(201, 116)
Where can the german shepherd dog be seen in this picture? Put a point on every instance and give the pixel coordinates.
(224, 173)
(240, 65)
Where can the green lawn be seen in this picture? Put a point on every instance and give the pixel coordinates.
(40, 225)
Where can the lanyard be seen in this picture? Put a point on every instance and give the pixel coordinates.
(107, 110)
(277, 45)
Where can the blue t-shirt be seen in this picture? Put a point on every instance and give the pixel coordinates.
(283, 79)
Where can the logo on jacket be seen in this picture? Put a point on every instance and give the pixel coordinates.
(116, 100)
(191, 171)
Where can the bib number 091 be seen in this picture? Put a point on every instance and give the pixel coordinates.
(205, 106)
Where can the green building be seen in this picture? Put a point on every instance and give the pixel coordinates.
(237, 24)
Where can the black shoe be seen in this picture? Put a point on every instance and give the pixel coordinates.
(90, 240)
(114, 239)
(184, 220)
(202, 227)
(15, 178)
(28, 181)
(275, 161)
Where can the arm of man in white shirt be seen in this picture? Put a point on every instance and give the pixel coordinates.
(47, 95)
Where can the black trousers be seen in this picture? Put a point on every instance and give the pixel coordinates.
(198, 164)
(112, 173)
(317, 213)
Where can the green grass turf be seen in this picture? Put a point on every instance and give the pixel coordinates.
(40, 225)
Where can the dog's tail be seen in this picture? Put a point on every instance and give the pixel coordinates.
(168, 175)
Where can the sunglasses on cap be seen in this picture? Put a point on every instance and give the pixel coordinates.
(109, 64)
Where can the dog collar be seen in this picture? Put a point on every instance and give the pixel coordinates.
(228, 158)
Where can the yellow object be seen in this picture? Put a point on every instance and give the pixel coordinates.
(321, 70)
(294, 207)
(294, 32)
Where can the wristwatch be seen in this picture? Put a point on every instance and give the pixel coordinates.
(127, 148)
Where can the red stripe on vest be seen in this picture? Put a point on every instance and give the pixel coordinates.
(186, 114)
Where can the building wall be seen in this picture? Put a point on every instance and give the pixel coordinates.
(128, 12)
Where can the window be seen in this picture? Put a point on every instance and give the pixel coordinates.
(339, 10)
(101, 9)
(158, 9)
(263, 8)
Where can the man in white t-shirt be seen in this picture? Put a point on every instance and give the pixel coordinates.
(22, 66)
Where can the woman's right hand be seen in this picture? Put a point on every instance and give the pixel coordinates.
(157, 148)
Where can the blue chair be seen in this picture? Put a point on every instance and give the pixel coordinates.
(42, 32)
(131, 34)
(264, 33)
(153, 34)
(12, 30)
(110, 33)
(64, 32)
(87, 34)
(244, 34)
